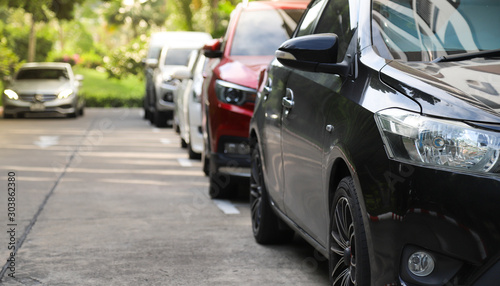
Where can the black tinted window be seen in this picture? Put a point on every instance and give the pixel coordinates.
(336, 19)
(260, 33)
(42, 74)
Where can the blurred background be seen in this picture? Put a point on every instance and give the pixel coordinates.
(104, 40)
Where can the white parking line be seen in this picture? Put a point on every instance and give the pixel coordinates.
(226, 206)
(185, 162)
(165, 141)
(47, 141)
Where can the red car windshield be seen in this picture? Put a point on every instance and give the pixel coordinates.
(261, 32)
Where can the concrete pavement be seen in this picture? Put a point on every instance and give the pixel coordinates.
(106, 199)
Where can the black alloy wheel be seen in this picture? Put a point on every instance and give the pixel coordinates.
(266, 225)
(349, 263)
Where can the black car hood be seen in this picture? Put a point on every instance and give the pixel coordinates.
(466, 90)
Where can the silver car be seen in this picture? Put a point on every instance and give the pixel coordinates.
(48, 88)
(188, 103)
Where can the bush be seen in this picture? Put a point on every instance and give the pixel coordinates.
(9, 61)
(126, 60)
(105, 99)
(91, 60)
(18, 42)
(100, 91)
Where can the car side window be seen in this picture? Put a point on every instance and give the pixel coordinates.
(336, 19)
(309, 21)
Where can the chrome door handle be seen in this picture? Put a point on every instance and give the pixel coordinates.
(287, 103)
(266, 91)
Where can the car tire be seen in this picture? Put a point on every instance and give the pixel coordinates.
(347, 241)
(160, 119)
(175, 126)
(183, 143)
(221, 186)
(82, 111)
(205, 160)
(266, 225)
(192, 154)
(8, 116)
(205, 163)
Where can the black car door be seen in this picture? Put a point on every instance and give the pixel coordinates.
(304, 125)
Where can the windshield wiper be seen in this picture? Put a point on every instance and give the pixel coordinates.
(468, 56)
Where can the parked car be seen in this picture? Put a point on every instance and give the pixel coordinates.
(255, 31)
(167, 51)
(376, 137)
(188, 103)
(49, 88)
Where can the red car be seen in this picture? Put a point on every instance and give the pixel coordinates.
(255, 31)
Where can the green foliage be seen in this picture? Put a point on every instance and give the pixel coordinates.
(101, 91)
(223, 12)
(18, 42)
(139, 16)
(91, 60)
(9, 61)
(43, 10)
(127, 60)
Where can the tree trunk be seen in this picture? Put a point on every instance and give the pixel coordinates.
(32, 41)
(61, 34)
(215, 15)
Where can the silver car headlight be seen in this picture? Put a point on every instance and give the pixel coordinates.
(11, 94)
(65, 93)
(412, 138)
(234, 94)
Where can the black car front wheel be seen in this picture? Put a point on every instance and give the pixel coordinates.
(348, 249)
(266, 225)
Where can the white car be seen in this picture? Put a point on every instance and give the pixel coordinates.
(49, 88)
(188, 104)
(177, 46)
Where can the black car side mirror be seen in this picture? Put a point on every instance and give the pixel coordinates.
(315, 53)
(212, 49)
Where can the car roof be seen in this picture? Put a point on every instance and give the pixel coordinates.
(46, 65)
(261, 5)
(160, 38)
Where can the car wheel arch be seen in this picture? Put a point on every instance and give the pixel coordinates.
(339, 168)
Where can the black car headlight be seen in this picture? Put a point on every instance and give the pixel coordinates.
(11, 94)
(234, 94)
(417, 139)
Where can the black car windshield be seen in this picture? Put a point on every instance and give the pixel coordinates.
(261, 32)
(425, 30)
(178, 57)
(39, 73)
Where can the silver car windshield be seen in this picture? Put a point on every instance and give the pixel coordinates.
(45, 73)
(424, 30)
(178, 57)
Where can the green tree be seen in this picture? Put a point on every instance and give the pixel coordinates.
(138, 15)
(42, 11)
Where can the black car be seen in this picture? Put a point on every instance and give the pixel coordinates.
(376, 137)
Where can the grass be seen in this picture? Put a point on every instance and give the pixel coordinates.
(100, 91)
